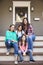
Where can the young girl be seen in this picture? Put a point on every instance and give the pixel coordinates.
(23, 46)
(19, 32)
(11, 40)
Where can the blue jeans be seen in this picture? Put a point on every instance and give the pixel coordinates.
(30, 40)
(29, 52)
(21, 55)
(10, 44)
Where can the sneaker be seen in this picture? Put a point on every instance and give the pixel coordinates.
(16, 62)
(7, 53)
(32, 60)
(20, 61)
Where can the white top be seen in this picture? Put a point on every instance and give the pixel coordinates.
(20, 33)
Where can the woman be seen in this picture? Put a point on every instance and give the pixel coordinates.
(11, 40)
(28, 29)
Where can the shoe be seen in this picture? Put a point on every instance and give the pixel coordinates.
(32, 60)
(7, 53)
(16, 62)
(20, 61)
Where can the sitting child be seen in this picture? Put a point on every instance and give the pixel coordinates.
(23, 48)
(19, 32)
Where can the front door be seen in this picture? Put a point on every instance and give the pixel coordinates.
(21, 9)
(20, 13)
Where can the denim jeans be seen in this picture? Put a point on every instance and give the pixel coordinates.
(20, 55)
(10, 44)
(29, 52)
(30, 40)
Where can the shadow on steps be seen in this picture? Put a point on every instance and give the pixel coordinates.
(21, 63)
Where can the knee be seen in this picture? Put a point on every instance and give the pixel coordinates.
(30, 50)
(7, 42)
(19, 52)
(29, 37)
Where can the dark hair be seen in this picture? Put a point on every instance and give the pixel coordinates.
(27, 21)
(22, 41)
(11, 26)
(25, 26)
(19, 26)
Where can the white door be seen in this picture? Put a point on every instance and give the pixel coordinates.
(21, 9)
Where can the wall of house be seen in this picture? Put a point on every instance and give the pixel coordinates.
(38, 12)
(6, 17)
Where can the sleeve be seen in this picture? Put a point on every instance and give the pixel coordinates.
(7, 35)
(30, 30)
(15, 38)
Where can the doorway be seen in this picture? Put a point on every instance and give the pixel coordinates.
(21, 9)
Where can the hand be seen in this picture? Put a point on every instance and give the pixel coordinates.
(14, 41)
(24, 54)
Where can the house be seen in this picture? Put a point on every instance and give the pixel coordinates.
(13, 12)
(9, 10)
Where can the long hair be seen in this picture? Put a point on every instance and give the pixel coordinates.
(25, 25)
(19, 26)
(11, 26)
(22, 40)
(27, 22)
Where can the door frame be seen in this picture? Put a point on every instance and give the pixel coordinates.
(21, 4)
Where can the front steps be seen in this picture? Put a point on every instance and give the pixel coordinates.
(24, 63)
(37, 52)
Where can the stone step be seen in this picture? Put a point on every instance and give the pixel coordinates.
(38, 43)
(36, 50)
(21, 63)
(39, 38)
(11, 54)
(33, 46)
(26, 58)
(2, 38)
